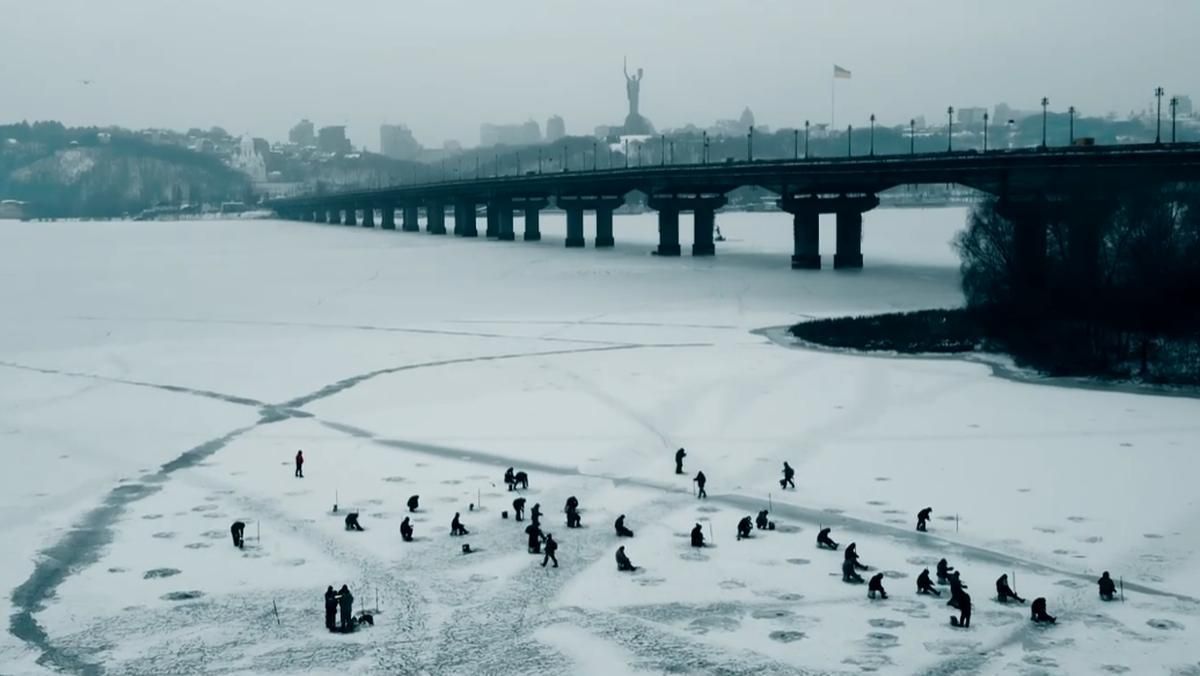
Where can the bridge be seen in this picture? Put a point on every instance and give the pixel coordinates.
(1030, 184)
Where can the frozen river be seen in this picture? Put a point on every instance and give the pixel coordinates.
(156, 380)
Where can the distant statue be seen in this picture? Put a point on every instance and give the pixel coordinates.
(633, 86)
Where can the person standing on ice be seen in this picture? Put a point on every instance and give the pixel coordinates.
(623, 562)
(1038, 613)
(346, 606)
(964, 611)
(622, 531)
(925, 584)
(508, 478)
(1108, 588)
(1005, 592)
(413, 502)
(875, 586)
(679, 456)
(923, 517)
(456, 527)
(406, 530)
(700, 481)
(823, 540)
(535, 538)
(956, 590)
(744, 527)
(761, 522)
(519, 509)
(535, 514)
(331, 603)
(788, 476)
(237, 530)
(551, 548)
(300, 464)
(697, 536)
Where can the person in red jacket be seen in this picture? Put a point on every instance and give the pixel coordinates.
(300, 464)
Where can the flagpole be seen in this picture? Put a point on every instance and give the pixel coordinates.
(833, 102)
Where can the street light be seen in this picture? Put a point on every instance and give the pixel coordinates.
(795, 144)
(704, 147)
(1158, 94)
(949, 128)
(849, 140)
(806, 139)
(1174, 107)
(1045, 102)
(1071, 125)
(872, 134)
(912, 136)
(750, 144)
(663, 150)
(626, 153)
(595, 157)
(539, 160)
(564, 167)
(985, 130)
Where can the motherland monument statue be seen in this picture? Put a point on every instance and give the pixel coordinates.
(634, 122)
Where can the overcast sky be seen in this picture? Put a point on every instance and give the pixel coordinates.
(443, 67)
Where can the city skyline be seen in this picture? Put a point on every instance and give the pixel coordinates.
(262, 75)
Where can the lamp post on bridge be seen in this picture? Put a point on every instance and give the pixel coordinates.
(750, 144)
(1045, 103)
(806, 139)
(662, 140)
(950, 129)
(539, 160)
(1071, 125)
(872, 134)
(849, 140)
(671, 147)
(564, 167)
(1158, 94)
(626, 153)
(795, 144)
(1174, 107)
(912, 136)
(704, 147)
(477, 164)
(595, 159)
(985, 130)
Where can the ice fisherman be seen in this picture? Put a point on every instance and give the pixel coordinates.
(1037, 612)
(456, 527)
(875, 586)
(700, 481)
(697, 536)
(848, 572)
(237, 530)
(519, 509)
(352, 521)
(535, 538)
(331, 604)
(851, 555)
(622, 531)
(406, 530)
(823, 540)
(925, 584)
(508, 478)
(1005, 592)
(943, 571)
(964, 611)
(414, 502)
(300, 464)
(623, 562)
(761, 522)
(535, 514)
(679, 456)
(346, 606)
(744, 527)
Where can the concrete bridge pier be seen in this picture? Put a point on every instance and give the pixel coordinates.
(316, 216)
(1029, 220)
(368, 219)
(351, 216)
(532, 206)
(806, 231)
(387, 216)
(464, 219)
(704, 220)
(703, 207)
(603, 205)
(668, 230)
(411, 216)
(492, 221)
(504, 217)
(575, 238)
(333, 216)
(435, 218)
(849, 212)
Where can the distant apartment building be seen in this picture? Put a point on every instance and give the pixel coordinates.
(509, 134)
(971, 116)
(333, 140)
(303, 134)
(555, 129)
(397, 142)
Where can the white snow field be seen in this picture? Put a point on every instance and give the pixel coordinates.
(156, 380)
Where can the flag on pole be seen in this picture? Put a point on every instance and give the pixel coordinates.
(840, 73)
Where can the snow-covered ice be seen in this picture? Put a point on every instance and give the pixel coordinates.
(156, 380)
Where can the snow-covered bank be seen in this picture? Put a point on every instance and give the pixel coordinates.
(407, 363)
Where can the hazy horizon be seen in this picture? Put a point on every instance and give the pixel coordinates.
(444, 68)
